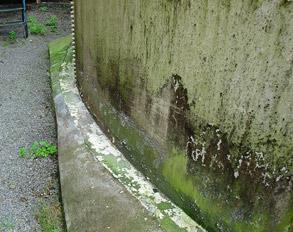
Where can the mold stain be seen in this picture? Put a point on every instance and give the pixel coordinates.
(196, 167)
(248, 177)
(218, 183)
(209, 146)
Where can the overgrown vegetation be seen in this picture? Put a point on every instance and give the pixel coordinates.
(50, 218)
(12, 36)
(39, 149)
(36, 27)
(52, 22)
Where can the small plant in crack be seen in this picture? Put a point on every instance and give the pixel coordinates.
(22, 152)
(39, 149)
(49, 218)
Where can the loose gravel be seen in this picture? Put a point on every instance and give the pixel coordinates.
(27, 115)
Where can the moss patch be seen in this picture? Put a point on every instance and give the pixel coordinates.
(170, 226)
(217, 213)
(58, 50)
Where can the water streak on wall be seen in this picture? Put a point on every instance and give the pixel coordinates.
(199, 94)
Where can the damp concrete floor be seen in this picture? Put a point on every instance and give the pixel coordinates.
(28, 186)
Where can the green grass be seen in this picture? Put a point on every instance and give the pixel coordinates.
(52, 22)
(50, 218)
(39, 149)
(43, 8)
(36, 27)
(22, 152)
(12, 36)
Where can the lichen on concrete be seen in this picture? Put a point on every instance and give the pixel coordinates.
(222, 46)
(208, 79)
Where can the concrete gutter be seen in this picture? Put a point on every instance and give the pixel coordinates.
(101, 190)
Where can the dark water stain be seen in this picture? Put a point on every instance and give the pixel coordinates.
(216, 153)
(222, 170)
(178, 121)
(250, 178)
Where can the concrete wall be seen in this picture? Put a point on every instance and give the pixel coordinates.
(202, 87)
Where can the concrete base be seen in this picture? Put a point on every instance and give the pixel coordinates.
(101, 190)
(93, 200)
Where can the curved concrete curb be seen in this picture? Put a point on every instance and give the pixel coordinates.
(101, 190)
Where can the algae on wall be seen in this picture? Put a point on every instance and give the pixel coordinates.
(211, 79)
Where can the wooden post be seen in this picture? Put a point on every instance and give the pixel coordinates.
(38, 1)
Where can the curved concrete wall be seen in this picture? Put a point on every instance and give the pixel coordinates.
(201, 91)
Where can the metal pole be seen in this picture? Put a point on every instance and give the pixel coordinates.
(24, 19)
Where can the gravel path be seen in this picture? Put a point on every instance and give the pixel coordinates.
(27, 115)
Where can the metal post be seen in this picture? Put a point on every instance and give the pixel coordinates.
(24, 19)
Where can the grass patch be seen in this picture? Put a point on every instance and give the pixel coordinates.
(52, 23)
(22, 152)
(43, 8)
(50, 218)
(12, 37)
(39, 149)
(170, 226)
(36, 27)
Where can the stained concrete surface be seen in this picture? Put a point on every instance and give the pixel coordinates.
(211, 82)
(234, 59)
(93, 199)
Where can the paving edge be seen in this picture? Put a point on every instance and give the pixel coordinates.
(78, 130)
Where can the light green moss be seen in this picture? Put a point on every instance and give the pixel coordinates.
(217, 210)
(113, 164)
(58, 50)
(170, 226)
(165, 205)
